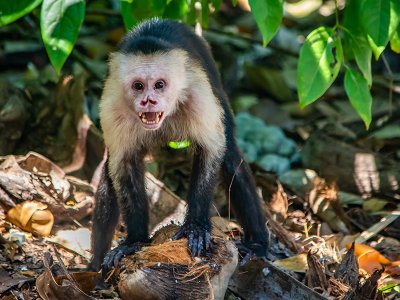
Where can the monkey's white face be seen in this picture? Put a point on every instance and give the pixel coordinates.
(150, 98)
(153, 85)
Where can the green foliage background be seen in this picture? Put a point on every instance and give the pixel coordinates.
(367, 29)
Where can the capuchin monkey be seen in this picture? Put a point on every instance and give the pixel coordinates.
(163, 85)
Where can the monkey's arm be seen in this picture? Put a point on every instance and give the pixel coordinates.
(105, 218)
(128, 180)
(197, 227)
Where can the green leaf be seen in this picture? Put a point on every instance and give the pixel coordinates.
(357, 90)
(391, 131)
(363, 56)
(321, 57)
(394, 28)
(355, 40)
(234, 2)
(395, 41)
(134, 11)
(60, 21)
(13, 10)
(394, 16)
(268, 15)
(375, 20)
(176, 9)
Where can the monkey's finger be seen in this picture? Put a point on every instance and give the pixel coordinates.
(200, 246)
(190, 242)
(106, 265)
(178, 235)
(246, 259)
(207, 240)
(101, 285)
(116, 259)
(194, 247)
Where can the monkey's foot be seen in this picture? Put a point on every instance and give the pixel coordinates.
(199, 238)
(249, 250)
(114, 256)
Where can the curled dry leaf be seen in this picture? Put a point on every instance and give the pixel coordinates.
(32, 216)
(68, 286)
(369, 259)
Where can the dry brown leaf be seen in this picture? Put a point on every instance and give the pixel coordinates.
(50, 287)
(32, 216)
(296, 263)
(9, 297)
(369, 259)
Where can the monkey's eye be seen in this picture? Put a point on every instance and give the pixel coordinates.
(159, 84)
(137, 85)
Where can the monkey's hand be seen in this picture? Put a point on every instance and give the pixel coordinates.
(250, 250)
(199, 238)
(112, 260)
(114, 256)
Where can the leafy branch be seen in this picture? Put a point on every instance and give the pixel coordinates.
(368, 27)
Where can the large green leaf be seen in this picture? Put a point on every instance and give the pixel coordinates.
(394, 28)
(268, 15)
(375, 21)
(13, 10)
(357, 90)
(363, 56)
(395, 41)
(320, 59)
(355, 41)
(394, 16)
(60, 21)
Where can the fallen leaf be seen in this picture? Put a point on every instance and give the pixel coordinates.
(7, 281)
(297, 263)
(32, 216)
(77, 241)
(50, 287)
(369, 259)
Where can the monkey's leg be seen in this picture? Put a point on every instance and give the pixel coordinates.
(133, 204)
(105, 219)
(197, 226)
(241, 191)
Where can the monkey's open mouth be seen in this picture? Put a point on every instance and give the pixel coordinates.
(150, 117)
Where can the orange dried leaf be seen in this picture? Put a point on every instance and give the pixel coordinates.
(32, 216)
(369, 259)
(361, 249)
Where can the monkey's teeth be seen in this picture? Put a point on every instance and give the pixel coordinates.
(155, 117)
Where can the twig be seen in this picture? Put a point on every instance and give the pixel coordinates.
(63, 266)
(389, 70)
(229, 190)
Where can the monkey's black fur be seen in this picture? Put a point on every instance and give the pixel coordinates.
(161, 36)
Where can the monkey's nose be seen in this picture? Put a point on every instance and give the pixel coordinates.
(146, 101)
